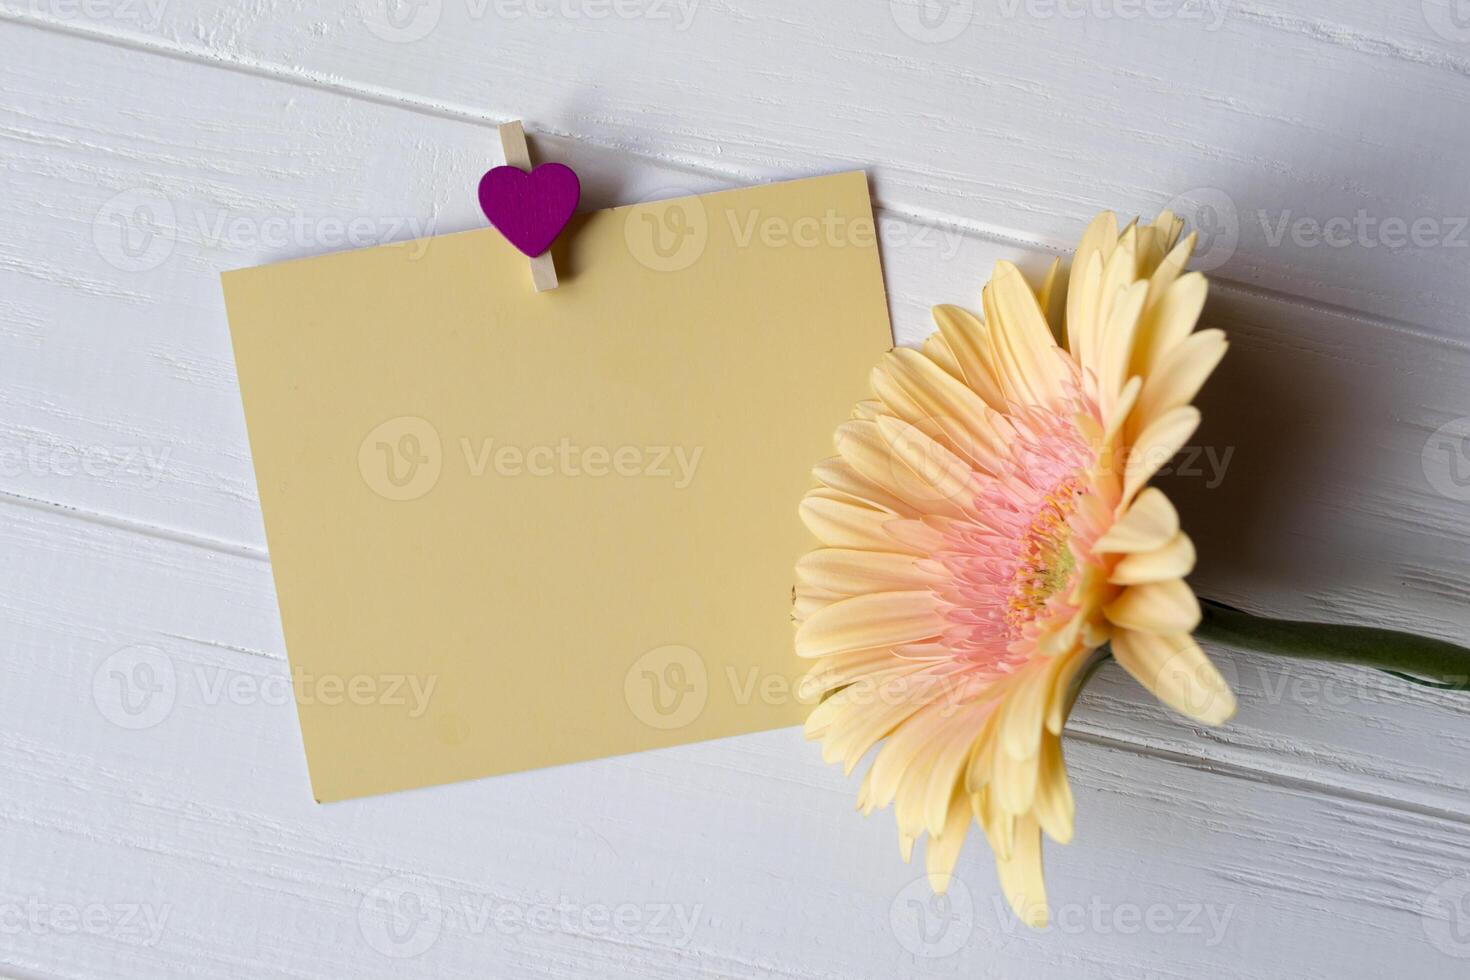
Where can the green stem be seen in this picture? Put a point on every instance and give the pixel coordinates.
(1420, 659)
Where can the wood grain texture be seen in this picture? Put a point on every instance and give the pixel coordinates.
(1018, 119)
(1329, 810)
(204, 819)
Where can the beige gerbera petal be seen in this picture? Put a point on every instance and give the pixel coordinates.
(936, 348)
(946, 765)
(1055, 809)
(1178, 673)
(1021, 716)
(848, 572)
(1159, 283)
(1173, 560)
(883, 703)
(845, 713)
(967, 424)
(1117, 345)
(807, 602)
(1121, 410)
(898, 753)
(836, 473)
(1155, 607)
(1020, 874)
(1100, 237)
(1118, 273)
(972, 442)
(840, 520)
(969, 341)
(1155, 446)
(1051, 297)
(907, 463)
(981, 769)
(925, 470)
(1083, 317)
(943, 850)
(1084, 299)
(1180, 374)
(999, 826)
(1014, 779)
(908, 803)
(1062, 693)
(866, 621)
(923, 536)
(1021, 338)
(1063, 639)
(1155, 241)
(1150, 523)
(1168, 320)
(836, 671)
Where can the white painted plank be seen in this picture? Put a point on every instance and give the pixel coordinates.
(1334, 421)
(1020, 118)
(203, 821)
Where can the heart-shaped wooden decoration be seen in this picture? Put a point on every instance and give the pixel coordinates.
(530, 209)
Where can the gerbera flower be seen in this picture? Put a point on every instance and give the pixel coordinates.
(988, 527)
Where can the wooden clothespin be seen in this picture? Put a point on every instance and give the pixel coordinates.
(529, 206)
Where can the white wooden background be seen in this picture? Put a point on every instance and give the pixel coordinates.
(149, 144)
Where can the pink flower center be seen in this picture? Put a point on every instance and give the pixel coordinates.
(1046, 562)
(1011, 568)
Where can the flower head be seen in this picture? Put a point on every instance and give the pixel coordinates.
(988, 526)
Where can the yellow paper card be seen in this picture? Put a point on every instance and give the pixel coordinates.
(513, 529)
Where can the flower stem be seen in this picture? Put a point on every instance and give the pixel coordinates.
(1420, 659)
